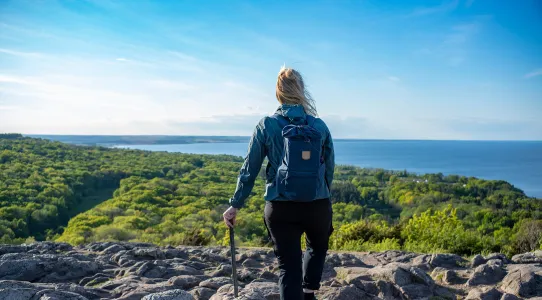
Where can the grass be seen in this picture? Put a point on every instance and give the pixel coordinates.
(341, 275)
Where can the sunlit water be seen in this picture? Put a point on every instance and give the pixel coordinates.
(519, 163)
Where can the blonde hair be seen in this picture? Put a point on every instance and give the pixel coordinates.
(291, 90)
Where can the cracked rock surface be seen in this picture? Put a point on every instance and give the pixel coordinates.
(114, 270)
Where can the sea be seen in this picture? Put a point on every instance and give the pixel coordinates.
(518, 162)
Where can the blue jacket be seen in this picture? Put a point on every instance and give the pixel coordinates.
(267, 141)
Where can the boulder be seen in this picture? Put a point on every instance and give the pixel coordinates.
(247, 275)
(4, 249)
(17, 293)
(243, 295)
(388, 290)
(169, 295)
(393, 273)
(489, 273)
(446, 276)
(478, 260)
(221, 270)
(398, 279)
(148, 253)
(113, 249)
(251, 263)
(524, 281)
(342, 293)
(498, 256)
(57, 295)
(13, 284)
(416, 291)
(444, 293)
(367, 286)
(46, 268)
(446, 260)
(98, 246)
(47, 247)
(202, 293)
(509, 297)
(251, 295)
(215, 282)
(185, 282)
(333, 260)
(401, 275)
(164, 269)
(141, 290)
(88, 292)
(422, 262)
(484, 294)
(267, 275)
(270, 290)
(228, 288)
(115, 283)
(21, 269)
(348, 259)
(528, 258)
(176, 253)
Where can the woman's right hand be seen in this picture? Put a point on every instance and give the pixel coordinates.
(229, 216)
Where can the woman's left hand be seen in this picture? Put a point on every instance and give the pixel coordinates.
(229, 216)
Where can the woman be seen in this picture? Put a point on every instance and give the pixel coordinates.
(287, 217)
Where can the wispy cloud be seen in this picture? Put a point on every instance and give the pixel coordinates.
(461, 33)
(394, 78)
(13, 79)
(534, 73)
(21, 53)
(446, 6)
(8, 107)
(458, 40)
(171, 85)
(109, 96)
(127, 68)
(183, 56)
(456, 60)
(453, 44)
(13, 29)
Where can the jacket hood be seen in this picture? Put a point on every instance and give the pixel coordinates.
(296, 113)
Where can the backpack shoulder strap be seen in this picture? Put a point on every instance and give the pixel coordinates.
(283, 122)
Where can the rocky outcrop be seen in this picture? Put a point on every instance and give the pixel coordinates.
(523, 280)
(133, 271)
(527, 258)
(489, 273)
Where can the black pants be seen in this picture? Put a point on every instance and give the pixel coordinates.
(286, 221)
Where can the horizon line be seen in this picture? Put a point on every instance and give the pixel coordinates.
(248, 137)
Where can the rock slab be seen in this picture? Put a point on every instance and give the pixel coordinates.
(134, 271)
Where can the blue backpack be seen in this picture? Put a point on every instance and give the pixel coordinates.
(302, 169)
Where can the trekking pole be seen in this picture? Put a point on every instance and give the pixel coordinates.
(233, 264)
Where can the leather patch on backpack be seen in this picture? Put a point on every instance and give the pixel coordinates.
(306, 155)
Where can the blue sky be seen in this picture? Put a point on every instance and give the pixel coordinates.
(466, 69)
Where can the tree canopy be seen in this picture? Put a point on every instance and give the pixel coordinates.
(79, 194)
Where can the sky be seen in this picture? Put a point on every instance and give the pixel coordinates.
(454, 70)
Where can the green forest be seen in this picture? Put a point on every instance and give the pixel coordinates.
(80, 194)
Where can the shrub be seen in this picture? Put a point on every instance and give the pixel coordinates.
(440, 231)
(111, 233)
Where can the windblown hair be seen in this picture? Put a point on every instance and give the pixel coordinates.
(291, 90)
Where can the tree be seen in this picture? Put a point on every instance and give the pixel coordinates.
(529, 236)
